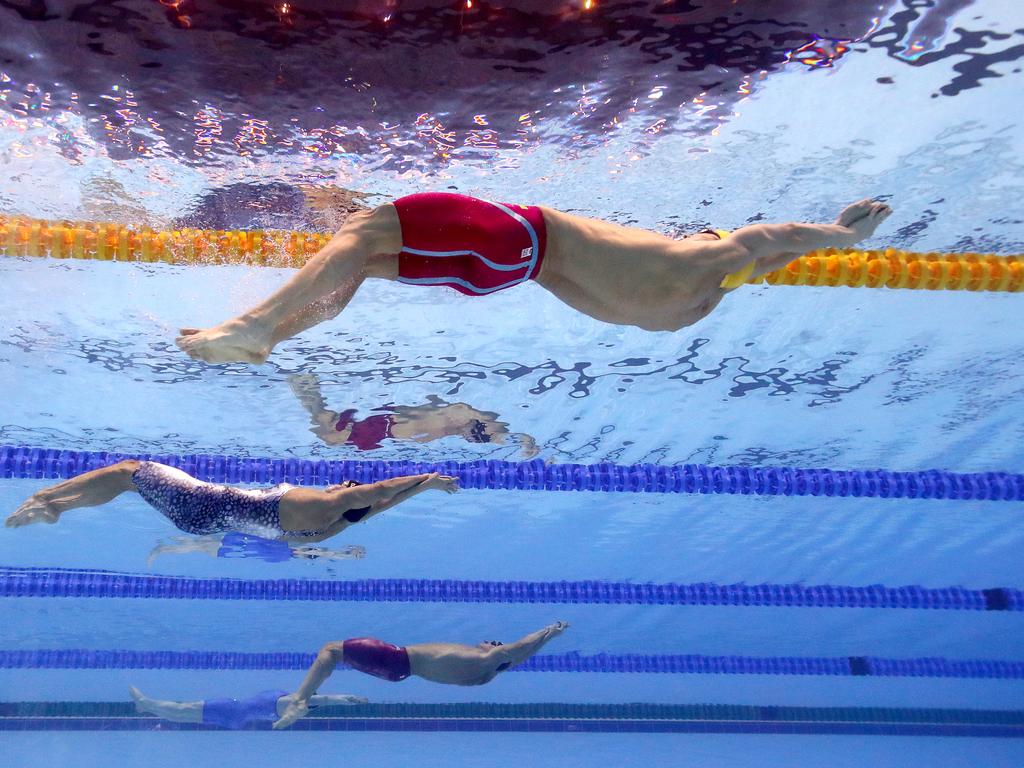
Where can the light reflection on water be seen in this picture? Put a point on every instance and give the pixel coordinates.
(331, 85)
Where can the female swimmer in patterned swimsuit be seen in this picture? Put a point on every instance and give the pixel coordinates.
(282, 512)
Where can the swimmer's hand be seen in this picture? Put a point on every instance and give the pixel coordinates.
(554, 630)
(863, 218)
(297, 709)
(527, 446)
(306, 552)
(35, 509)
(444, 483)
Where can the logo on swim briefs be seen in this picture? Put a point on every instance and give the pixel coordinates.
(527, 253)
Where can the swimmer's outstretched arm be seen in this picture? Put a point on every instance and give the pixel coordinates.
(527, 443)
(87, 490)
(457, 664)
(390, 496)
(306, 388)
(773, 246)
(306, 509)
(519, 651)
(466, 415)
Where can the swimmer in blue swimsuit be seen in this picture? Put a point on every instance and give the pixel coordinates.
(235, 545)
(283, 512)
(235, 714)
(449, 663)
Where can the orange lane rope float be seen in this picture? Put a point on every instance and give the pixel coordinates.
(20, 236)
(103, 241)
(895, 269)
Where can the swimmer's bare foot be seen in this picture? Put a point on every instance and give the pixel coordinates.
(139, 698)
(863, 217)
(35, 509)
(234, 341)
(296, 709)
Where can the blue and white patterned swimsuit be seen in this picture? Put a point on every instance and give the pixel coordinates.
(204, 508)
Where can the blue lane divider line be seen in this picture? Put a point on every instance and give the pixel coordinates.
(544, 725)
(60, 582)
(50, 463)
(574, 710)
(76, 658)
(636, 718)
(554, 717)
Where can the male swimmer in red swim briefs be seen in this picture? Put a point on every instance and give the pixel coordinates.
(612, 273)
(450, 663)
(433, 420)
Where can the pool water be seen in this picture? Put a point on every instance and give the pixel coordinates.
(666, 116)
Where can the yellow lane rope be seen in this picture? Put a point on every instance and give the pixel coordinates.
(20, 236)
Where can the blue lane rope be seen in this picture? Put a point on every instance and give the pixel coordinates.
(66, 582)
(568, 662)
(552, 717)
(29, 462)
(560, 725)
(577, 711)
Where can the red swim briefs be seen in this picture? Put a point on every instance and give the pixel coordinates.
(474, 246)
(377, 658)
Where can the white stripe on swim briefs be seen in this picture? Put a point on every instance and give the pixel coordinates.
(458, 281)
(484, 259)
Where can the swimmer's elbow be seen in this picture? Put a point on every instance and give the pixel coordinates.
(761, 239)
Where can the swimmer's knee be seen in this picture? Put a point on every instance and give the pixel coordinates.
(333, 651)
(126, 467)
(376, 230)
(124, 471)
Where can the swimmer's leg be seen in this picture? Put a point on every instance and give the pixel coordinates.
(341, 266)
(177, 711)
(318, 312)
(87, 490)
(333, 700)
